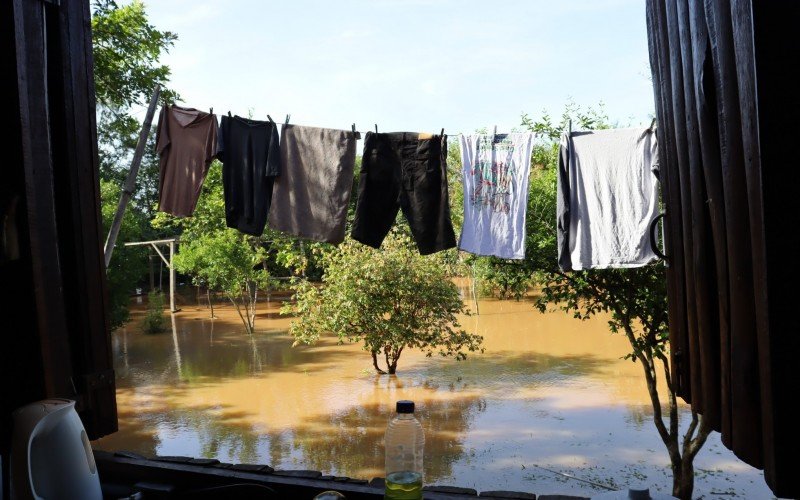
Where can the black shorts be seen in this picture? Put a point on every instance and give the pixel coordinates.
(409, 171)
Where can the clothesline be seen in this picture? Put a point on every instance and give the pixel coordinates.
(360, 133)
(568, 127)
(300, 184)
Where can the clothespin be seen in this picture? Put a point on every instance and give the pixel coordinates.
(211, 110)
(355, 132)
(287, 119)
(653, 125)
(270, 119)
(229, 114)
(570, 126)
(441, 133)
(376, 128)
(495, 130)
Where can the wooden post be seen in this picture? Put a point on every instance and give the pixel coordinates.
(130, 182)
(168, 262)
(172, 278)
(177, 348)
(152, 273)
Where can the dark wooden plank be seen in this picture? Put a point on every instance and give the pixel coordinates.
(765, 37)
(86, 293)
(36, 151)
(745, 385)
(706, 345)
(705, 102)
(739, 63)
(20, 357)
(654, 52)
(690, 343)
(659, 60)
(67, 343)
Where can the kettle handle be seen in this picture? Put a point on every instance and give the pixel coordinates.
(29, 422)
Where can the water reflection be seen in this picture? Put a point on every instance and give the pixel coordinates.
(549, 391)
(177, 347)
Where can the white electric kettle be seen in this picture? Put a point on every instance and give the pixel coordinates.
(51, 457)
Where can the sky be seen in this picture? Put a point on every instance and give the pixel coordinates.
(409, 65)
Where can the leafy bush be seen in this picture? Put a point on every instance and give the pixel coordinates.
(388, 299)
(153, 321)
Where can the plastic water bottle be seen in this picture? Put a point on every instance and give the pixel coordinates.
(405, 443)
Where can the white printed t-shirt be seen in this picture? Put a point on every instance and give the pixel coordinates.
(495, 173)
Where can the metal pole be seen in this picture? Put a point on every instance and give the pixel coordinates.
(172, 278)
(474, 293)
(130, 182)
(303, 251)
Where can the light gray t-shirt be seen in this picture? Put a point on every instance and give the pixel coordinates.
(495, 173)
(613, 197)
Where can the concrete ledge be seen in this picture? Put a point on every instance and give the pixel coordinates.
(454, 490)
(507, 495)
(178, 474)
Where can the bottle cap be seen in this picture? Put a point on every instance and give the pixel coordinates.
(405, 406)
(639, 492)
(329, 495)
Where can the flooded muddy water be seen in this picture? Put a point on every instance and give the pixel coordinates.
(550, 398)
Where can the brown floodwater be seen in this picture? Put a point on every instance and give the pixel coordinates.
(550, 398)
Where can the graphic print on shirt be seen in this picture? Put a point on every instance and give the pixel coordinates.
(494, 174)
(495, 170)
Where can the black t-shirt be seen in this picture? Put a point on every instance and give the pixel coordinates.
(250, 155)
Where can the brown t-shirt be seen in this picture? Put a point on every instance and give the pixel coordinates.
(187, 142)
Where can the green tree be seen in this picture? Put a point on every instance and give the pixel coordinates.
(224, 259)
(129, 263)
(231, 262)
(216, 256)
(636, 299)
(390, 299)
(127, 50)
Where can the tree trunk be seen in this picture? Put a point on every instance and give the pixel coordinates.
(375, 363)
(681, 458)
(239, 311)
(395, 356)
(252, 298)
(210, 304)
(683, 479)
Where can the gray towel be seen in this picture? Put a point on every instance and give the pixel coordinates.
(311, 195)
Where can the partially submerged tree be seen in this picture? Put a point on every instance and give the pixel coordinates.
(223, 259)
(216, 256)
(231, 262)
(153, 321)
(635, 298)
(390, 299)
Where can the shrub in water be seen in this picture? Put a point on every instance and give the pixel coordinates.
(154, 317)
